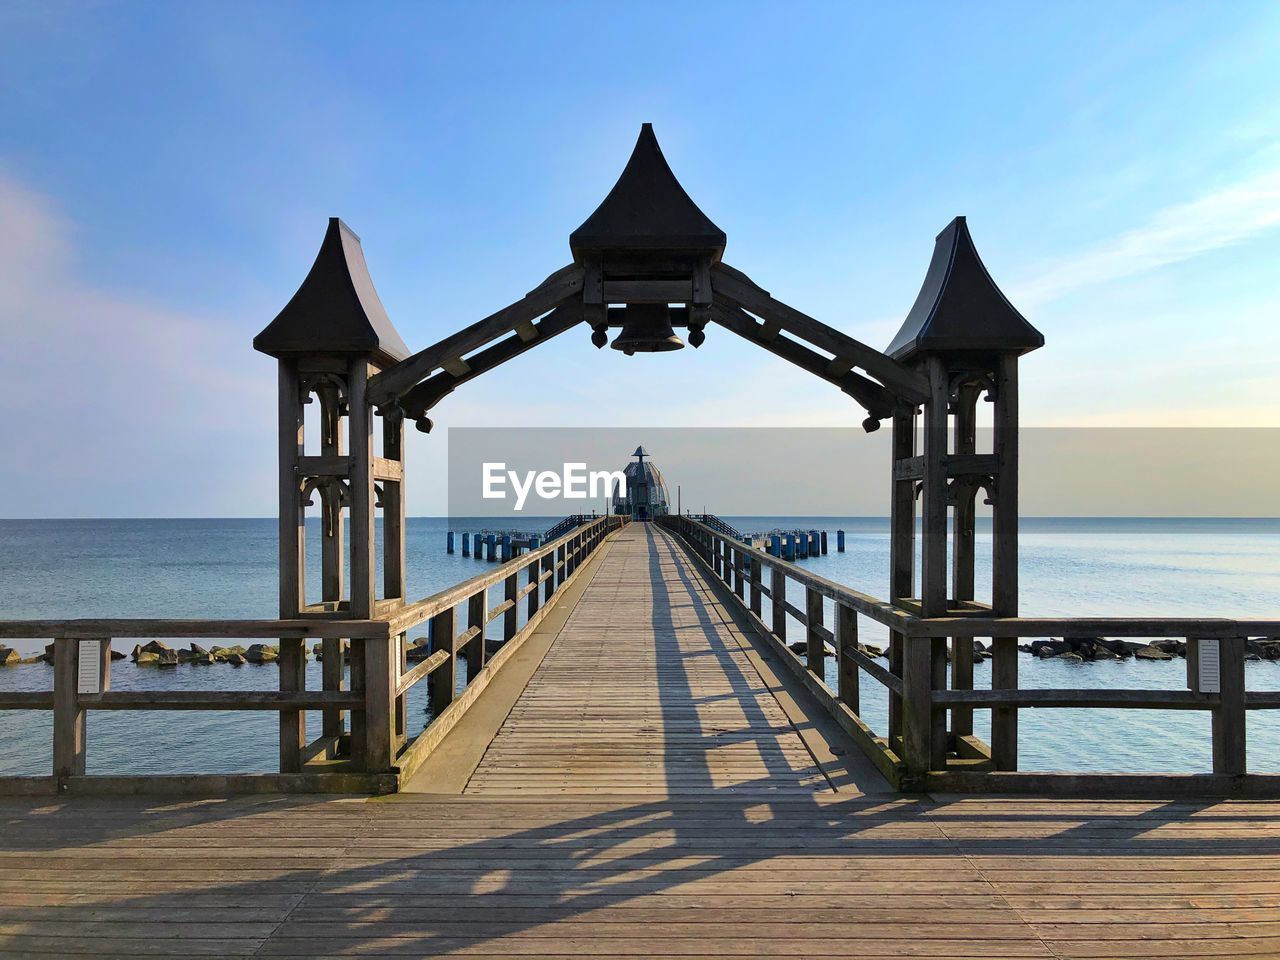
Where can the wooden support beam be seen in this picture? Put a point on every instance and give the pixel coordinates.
(1004, 557)
(963, 541)
(737, 288)
(290, 440)
(933, 553)
(429, 392)
(902, 537)
(648, 291)
(877, 400)
(561, 286)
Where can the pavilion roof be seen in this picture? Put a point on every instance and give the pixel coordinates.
(647, 209)
(959, 306)
(336, 310)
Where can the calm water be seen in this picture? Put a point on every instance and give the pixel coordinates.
(227, 569)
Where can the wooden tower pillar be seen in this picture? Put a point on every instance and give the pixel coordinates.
(330, 338)
(965, 338)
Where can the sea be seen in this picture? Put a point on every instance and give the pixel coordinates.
(226, 568)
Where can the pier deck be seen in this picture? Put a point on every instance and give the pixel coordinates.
(642, 783)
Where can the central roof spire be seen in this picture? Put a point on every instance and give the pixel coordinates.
(647, 210)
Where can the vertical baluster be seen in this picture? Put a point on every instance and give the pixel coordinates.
(443, 682)
(755, 586)
(511, 617)
(477, 611)
(846, 643)
(814, 645)
(778, 602)
(533, 598)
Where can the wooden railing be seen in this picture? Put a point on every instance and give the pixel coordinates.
(377, 751)
(930, 742)
(533, 579)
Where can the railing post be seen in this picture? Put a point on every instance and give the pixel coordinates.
(755, 586)
(511, 617)
(847, 641)
(533, 598)
(815, 647)
(1229, 716)
(476, 614)
(549, 584)
(738, 560)
(917, 705)
(443, 682)
(778, 602)
(399, 664)
(293, 678)
(379, 702)
(68, 717)
(562, 566)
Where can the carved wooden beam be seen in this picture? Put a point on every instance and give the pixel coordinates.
(878, 401)
(738, 289)
(421, 398)
(562, 285)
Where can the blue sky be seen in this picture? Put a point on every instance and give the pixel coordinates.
(166, 170)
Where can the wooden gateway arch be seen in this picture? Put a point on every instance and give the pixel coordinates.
(634, 763)
(649, 261)
(676, 617)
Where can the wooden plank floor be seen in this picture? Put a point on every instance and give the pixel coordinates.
(647, 691)
(647, 796)
(822, 875)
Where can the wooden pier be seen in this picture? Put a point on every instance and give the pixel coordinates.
(649, 782)
(621, 756)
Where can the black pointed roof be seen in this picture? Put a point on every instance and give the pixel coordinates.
(647, 209)
(336, 310)
(959, 307)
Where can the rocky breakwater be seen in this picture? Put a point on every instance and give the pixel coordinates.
(1090, 649)
(799, 647)
(157, 653)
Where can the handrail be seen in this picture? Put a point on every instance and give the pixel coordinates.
(881, 611)
(91, 629)
(564, 525)
(921, 748)
(1213, 627)
(379, 748)
(410, 615)
(717, 524)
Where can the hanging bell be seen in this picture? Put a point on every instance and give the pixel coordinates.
(646, 328)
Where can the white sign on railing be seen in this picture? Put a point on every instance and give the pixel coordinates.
(89, 667)
(1209, 665)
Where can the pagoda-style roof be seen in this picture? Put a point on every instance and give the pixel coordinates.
(336, 310)
(648, 210)
(959, 307)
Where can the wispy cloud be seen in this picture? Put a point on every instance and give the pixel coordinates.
(1226, 216)
(115, 405)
